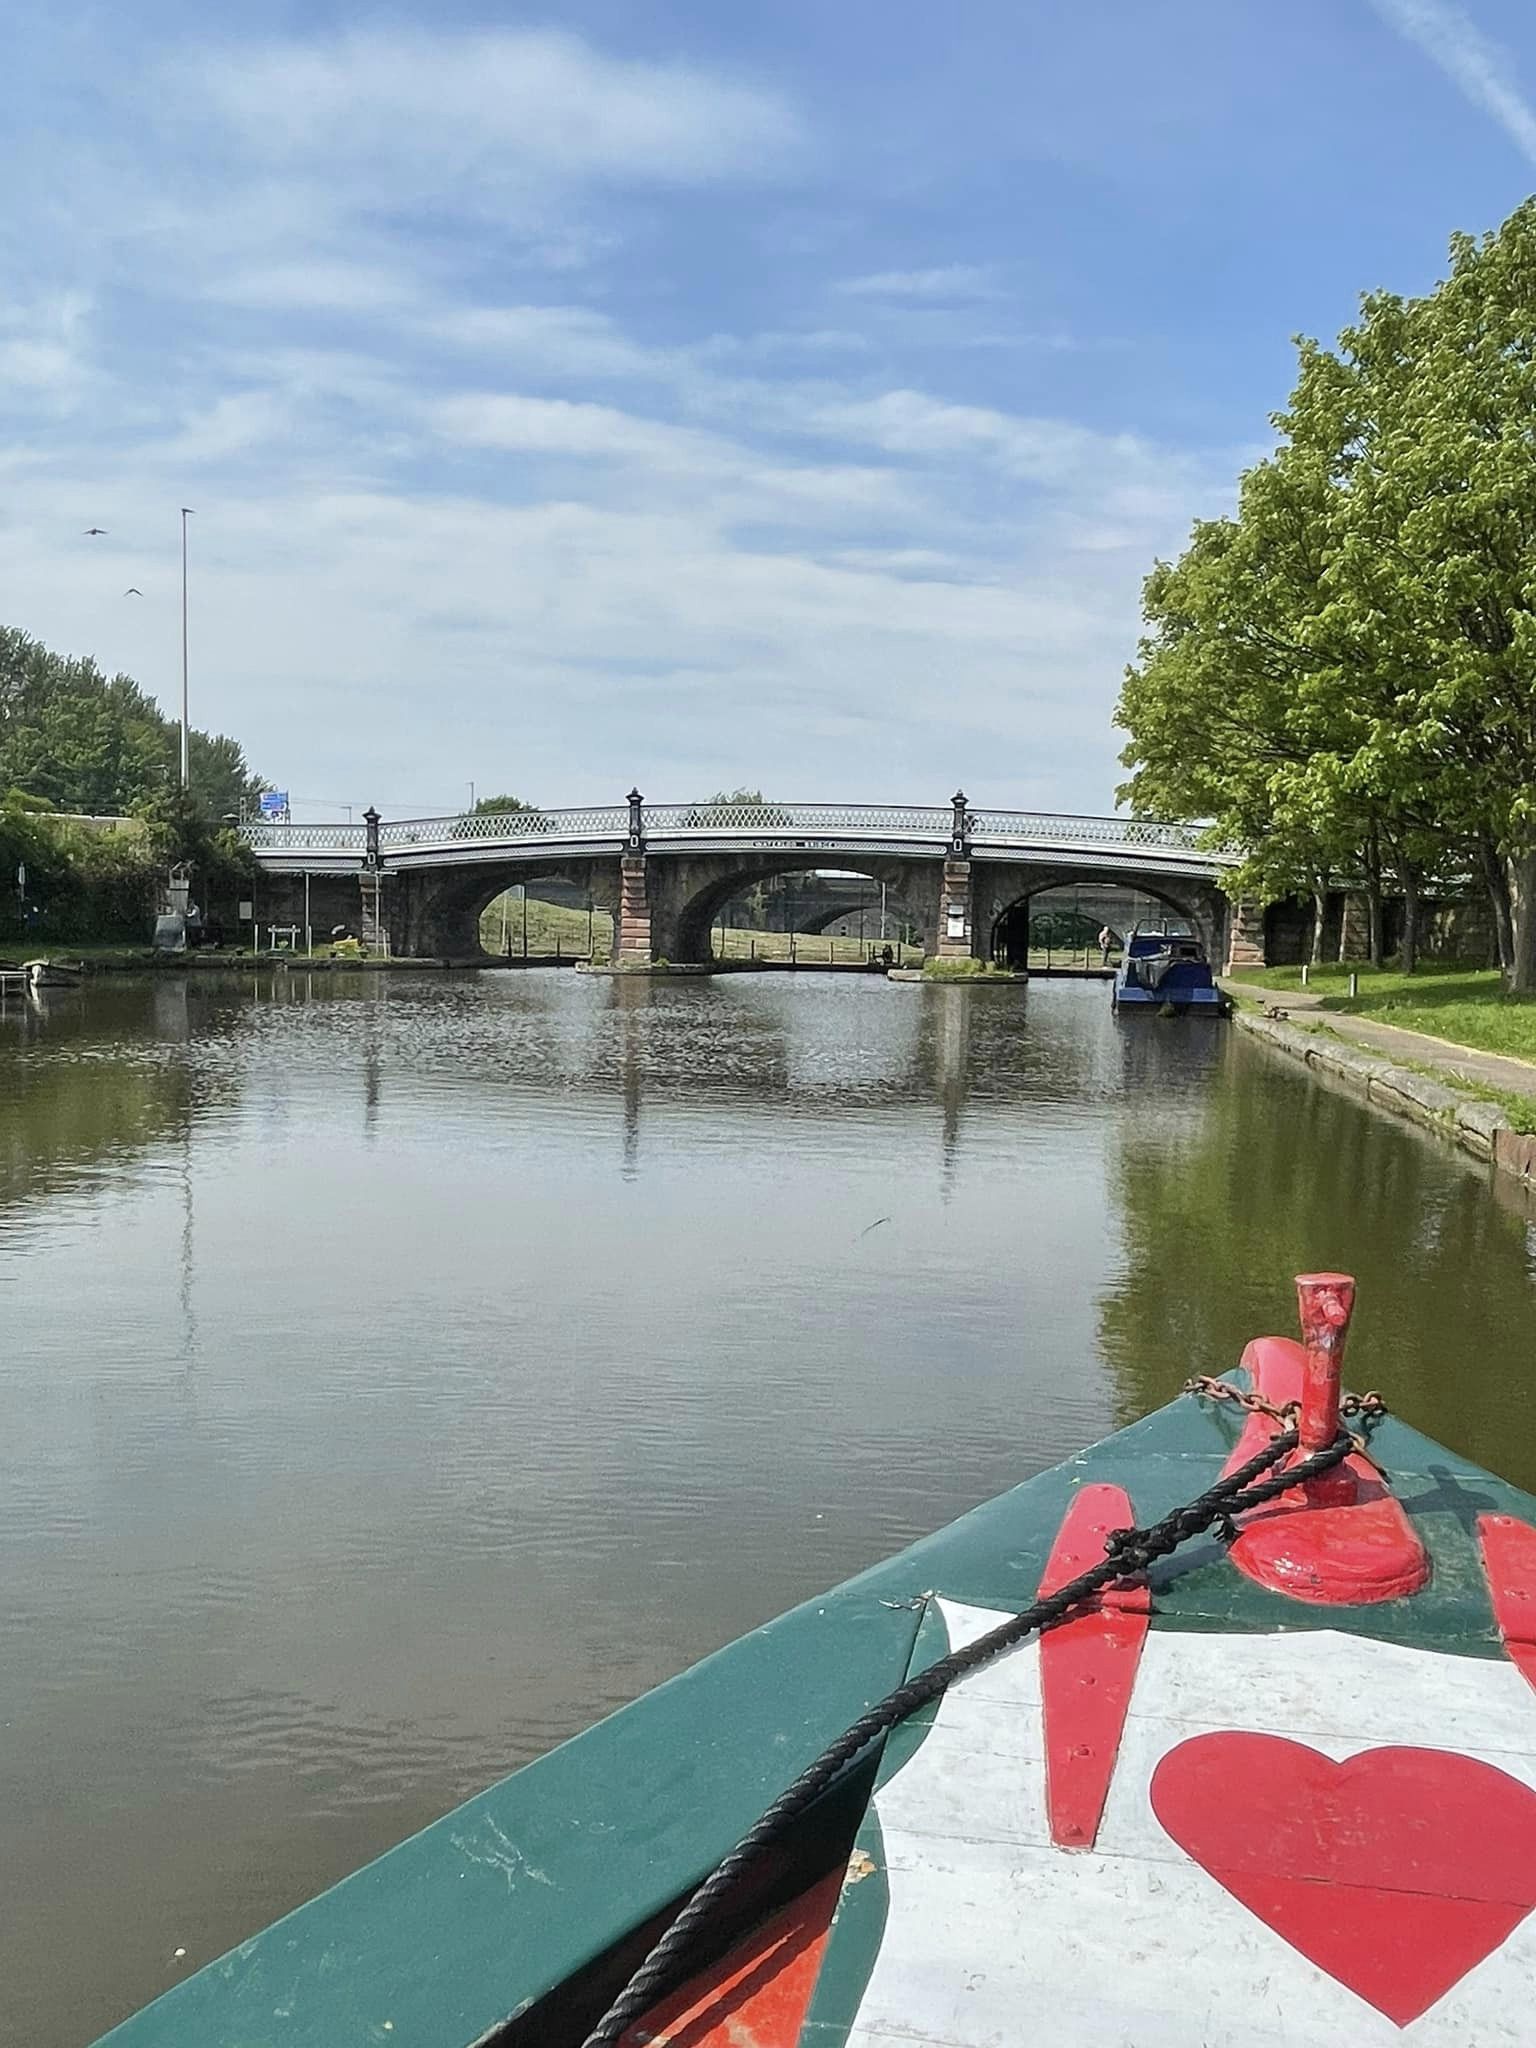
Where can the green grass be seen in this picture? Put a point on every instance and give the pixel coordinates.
(555, 926)
(552, 928)
(1520, 1109)
(732, 944)
(1463, 1005)
(963, 970)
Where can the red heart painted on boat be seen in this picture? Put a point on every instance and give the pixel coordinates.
(1395, 1871)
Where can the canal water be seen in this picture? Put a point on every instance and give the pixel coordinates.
(399, 1371)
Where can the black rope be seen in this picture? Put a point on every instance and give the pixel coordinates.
(1129, 1551)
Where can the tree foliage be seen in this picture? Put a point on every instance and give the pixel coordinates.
(1342, 675)
(98, 745)
(75, 741)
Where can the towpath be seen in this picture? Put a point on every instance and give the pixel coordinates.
(1491, 1069)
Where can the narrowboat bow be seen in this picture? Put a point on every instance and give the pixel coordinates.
(1223, 1732)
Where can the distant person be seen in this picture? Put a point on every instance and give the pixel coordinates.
(1106, 945)
(886, 956)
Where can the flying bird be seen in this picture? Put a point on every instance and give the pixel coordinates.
(95, 529)
(133, 591)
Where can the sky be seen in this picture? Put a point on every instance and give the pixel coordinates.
(782, 394)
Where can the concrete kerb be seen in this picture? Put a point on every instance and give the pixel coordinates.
(1478, 1126)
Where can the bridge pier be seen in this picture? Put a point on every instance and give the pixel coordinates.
(1245, 934)
(956, 936)
(632, 927)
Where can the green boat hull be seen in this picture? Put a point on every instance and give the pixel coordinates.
(512, 1916)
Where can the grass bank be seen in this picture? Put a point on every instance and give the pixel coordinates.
(557, 927)
(1463, 1005)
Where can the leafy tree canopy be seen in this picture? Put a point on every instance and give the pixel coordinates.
(79, 741)
(1342, 675)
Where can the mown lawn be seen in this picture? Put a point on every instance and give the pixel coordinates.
(552, 925)
(1466, 1005)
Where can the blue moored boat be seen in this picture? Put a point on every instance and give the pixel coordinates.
(1163, 970)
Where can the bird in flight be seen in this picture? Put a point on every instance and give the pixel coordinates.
(133, 591)
(95, 529)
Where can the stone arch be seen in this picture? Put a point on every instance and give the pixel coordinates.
(436, 912)
(1006, 891)
(819, 920)
(687, 895)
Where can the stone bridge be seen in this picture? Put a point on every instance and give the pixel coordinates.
(665, 871)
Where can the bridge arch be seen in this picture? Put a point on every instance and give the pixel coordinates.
(1002, 908)
(438, 912)
(687, 896)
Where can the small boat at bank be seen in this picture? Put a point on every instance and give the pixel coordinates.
(53, 974)
(1223, 1732)
(1162, 970)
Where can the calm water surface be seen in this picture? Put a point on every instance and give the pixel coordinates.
(398, 1372)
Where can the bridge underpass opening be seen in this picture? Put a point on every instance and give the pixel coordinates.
(813, 914)
(546, 918)
(1061, 925)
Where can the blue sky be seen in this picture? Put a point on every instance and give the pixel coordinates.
(792, 394)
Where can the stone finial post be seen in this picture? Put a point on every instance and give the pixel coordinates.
(636, 840)
(959, 841)
(371, 855)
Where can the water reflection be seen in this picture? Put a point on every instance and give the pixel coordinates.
(402, 1369)
(1272, 1174)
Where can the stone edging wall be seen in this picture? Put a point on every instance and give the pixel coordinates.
(1478, 1127)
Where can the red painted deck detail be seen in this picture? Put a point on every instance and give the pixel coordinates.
(1341, 1540)
(1087, 1669)
(1326, 1302)
(1396, 1871)
(1509, 1564)
(758, 1995)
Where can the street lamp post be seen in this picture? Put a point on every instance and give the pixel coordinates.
(186, 513)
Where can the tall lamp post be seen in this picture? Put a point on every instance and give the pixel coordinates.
(186, 513)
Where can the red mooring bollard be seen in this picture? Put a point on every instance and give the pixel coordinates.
(1326, 1301)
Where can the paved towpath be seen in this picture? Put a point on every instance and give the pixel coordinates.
(1492, 1069)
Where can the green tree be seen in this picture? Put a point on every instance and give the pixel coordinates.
(98, 745)
(496, 806)
(1343, 675)
(1428, 405)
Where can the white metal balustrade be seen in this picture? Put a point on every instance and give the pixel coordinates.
(915, 828)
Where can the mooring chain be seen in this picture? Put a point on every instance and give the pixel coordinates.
(1129, 1552)
(1367, 1407)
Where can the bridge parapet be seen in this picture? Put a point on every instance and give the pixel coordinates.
(819, 827)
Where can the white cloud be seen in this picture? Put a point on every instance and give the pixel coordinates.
(722, 478)
(1041, 451)
(490, 109)
(317, 287)
(571, 340)
(44, 348)
(642, 544)
(1482, 70)
(954, 281)
(563, 426)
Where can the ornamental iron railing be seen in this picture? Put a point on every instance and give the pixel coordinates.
(919, 824)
